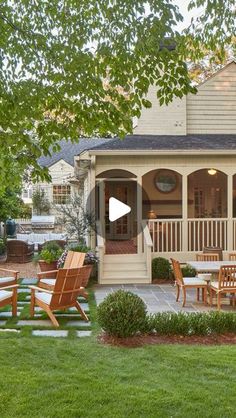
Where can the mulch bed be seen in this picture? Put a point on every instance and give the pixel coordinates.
(150, 339)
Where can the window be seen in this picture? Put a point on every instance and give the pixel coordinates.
(61, 194)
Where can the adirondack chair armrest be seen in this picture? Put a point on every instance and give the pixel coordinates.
(14, 272)
(13, 286)
(51, 274)
(40, 289)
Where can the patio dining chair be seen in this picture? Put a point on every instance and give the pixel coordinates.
(73, 259)
(8, 296)
(225, 284)
(9, 279)
(185, 283)
(64, 294)
(207, 257)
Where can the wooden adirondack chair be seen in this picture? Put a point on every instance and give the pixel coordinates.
(10, 278)
(8, 296)
(225, 284)
(64, 294)
(188, 283)
(47, 278)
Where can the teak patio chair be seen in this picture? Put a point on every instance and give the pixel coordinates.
(232, 256)
(10, 279)
(185, 283)
(8, 296)
(64, 294)
(207, 257)
(225, 284)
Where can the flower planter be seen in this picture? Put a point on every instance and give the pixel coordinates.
(47, 266)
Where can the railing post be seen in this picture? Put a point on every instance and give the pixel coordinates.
(230, 213)
(185, 213)
(139, 204)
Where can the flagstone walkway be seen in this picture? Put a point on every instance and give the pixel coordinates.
(159, 298)
(71, 322)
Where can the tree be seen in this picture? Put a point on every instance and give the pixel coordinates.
(41, 203)
(76, 219)
(10, 204)
(83, 68)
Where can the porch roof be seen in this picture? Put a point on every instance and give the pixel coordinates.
(204, 142)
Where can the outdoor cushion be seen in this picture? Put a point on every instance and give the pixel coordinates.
(6, 279)
(215, 285)
(44, 297)
(194, 281)
(50, 282)
(4, 294)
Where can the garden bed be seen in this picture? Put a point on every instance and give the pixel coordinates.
(151, 339)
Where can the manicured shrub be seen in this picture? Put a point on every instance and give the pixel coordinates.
(188, 271)
(160, 268)
(181, 323)
(122, 314)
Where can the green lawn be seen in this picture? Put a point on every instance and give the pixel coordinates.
(44, 377)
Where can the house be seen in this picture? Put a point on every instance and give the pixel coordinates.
(177, 172)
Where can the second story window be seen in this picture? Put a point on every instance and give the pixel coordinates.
(61, 194)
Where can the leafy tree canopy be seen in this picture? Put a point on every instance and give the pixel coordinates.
(71, 68)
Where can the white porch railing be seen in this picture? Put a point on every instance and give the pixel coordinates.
(234, 235)
(166, 234)
(207, 233)
(147, 248)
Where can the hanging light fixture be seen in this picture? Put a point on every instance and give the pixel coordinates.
(212, 171)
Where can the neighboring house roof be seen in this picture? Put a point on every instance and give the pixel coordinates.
(69, 150)
(170, 142)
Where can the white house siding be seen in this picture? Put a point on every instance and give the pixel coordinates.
(213, 109)
(162, 120)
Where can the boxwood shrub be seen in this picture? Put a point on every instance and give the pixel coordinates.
(122, 314)
(161, 268)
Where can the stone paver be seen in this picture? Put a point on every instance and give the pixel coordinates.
(35, 323)
(8, 314)
(78, 324)
(23, 290)
(50, 333)
(83, 333)
(29, 281)
(3, 323)
(9, 330)
(158, 298)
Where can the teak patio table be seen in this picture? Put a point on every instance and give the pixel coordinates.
(209, 266)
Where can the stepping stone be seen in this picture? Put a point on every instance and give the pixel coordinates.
(7, 314)
(78, 324)
(22, 290)
(9, 330)
(29, 281)
(3, 323)
(50, 333)
(84, 306)
(28, 297)
(36, 323)
(68, 315)
(83, 333)
(22, 303)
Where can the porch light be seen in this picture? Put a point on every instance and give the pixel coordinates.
(211, 171)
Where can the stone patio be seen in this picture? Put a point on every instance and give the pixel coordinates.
(159, 298)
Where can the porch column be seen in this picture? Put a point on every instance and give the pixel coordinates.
(139, 212)
(185, 212)
(92, 202)
(230, 213)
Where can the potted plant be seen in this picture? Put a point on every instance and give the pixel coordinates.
(2, 250)
(49, 256)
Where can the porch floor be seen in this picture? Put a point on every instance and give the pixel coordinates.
(120, 247)
(160, 298)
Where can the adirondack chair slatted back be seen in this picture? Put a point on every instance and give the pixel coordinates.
(67, 286)
(208, 257)
(177, 272)
(74, 260)
(227, 277)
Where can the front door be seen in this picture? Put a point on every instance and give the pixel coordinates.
(121, 228)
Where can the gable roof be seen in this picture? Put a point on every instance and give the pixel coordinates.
(69, 150)
(170, 142)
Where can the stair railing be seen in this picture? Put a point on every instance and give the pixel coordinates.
(147, 248)
(100, 250)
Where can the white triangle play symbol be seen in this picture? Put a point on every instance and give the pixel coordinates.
(117, 209)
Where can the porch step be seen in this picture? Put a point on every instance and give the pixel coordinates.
(125, 268)
(129, 266)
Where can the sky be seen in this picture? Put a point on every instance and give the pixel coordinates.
(183, 7)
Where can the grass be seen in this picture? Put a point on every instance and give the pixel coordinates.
(80, 378)
(44, 377)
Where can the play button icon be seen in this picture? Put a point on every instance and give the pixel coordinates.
(117, 209)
